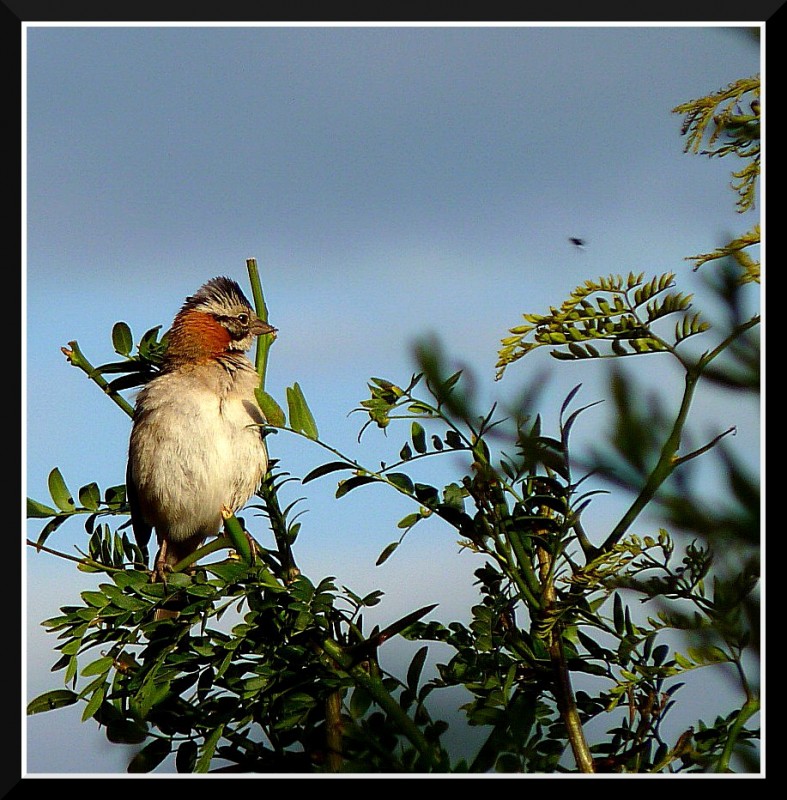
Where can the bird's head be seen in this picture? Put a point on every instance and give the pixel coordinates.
(216, 320)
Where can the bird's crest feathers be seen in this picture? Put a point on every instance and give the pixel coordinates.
(215, 296)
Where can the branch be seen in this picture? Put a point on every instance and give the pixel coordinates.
(661, 471)
(372, 683)
(77, 359)
(84, 560)
(750, 707)
(704, 449)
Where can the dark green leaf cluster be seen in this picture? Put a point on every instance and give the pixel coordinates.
(250, 695)
(246, 696)
(136, 369)
(506, 670)
(90, 503)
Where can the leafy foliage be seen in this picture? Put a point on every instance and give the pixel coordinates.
(615, 311)
(720, 119)
(737, 250)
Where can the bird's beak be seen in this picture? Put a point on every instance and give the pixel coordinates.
(258, 327)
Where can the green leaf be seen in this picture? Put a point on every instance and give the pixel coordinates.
(618, 615)
(401, 624)
(301, 418)
(126, 731)
(98, 599)
(294, 410)
(683, 662)
(360, 700)
(618, 348)
(36, 510)
(448, 384)
(325, 469)
(372, 599)
(150, 756)
(508, 762)
(576, 350)
(90, 496)
(271, 410)
(122, 340)
(418, 436)
(592, 646)
(133, 368)
(98, 667)
(50, 528)
(228, 571)
(660, 653)
(208, 748)
(150, 337)
(71, 669)
(401, 481)
(454, 496)
(71, 647)
(115, 496)
(59, 491)
(200, 590)
(454, 440)
(130, 577)
(415, 668)
(426, 494)
(57, 698)
(386, 553)
(351, 483)
(177, 580)
(151, 693)
(96, 699)
(186, 756)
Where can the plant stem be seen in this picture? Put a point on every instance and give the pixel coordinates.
(725, 343)
(270, 496)
(237, 535)
(333, 730)
(750, 707)
(372, 683)
(221, 542)
(566, 704)
(528, 583)
(668, 459)
(77, 358)
(82, 560)
(263, 342)
(564, 691)
(661, 471)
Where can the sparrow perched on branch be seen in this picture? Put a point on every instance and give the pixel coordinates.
(196, 443)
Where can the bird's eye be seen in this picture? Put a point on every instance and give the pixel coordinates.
(243, 319)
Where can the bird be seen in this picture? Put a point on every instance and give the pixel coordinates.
(576, 241)
(196, 447)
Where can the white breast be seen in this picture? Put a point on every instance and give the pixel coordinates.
(196, 451)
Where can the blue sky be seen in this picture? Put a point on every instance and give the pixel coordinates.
(392, 183)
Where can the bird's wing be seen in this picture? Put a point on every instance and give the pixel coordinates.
(141, 528)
